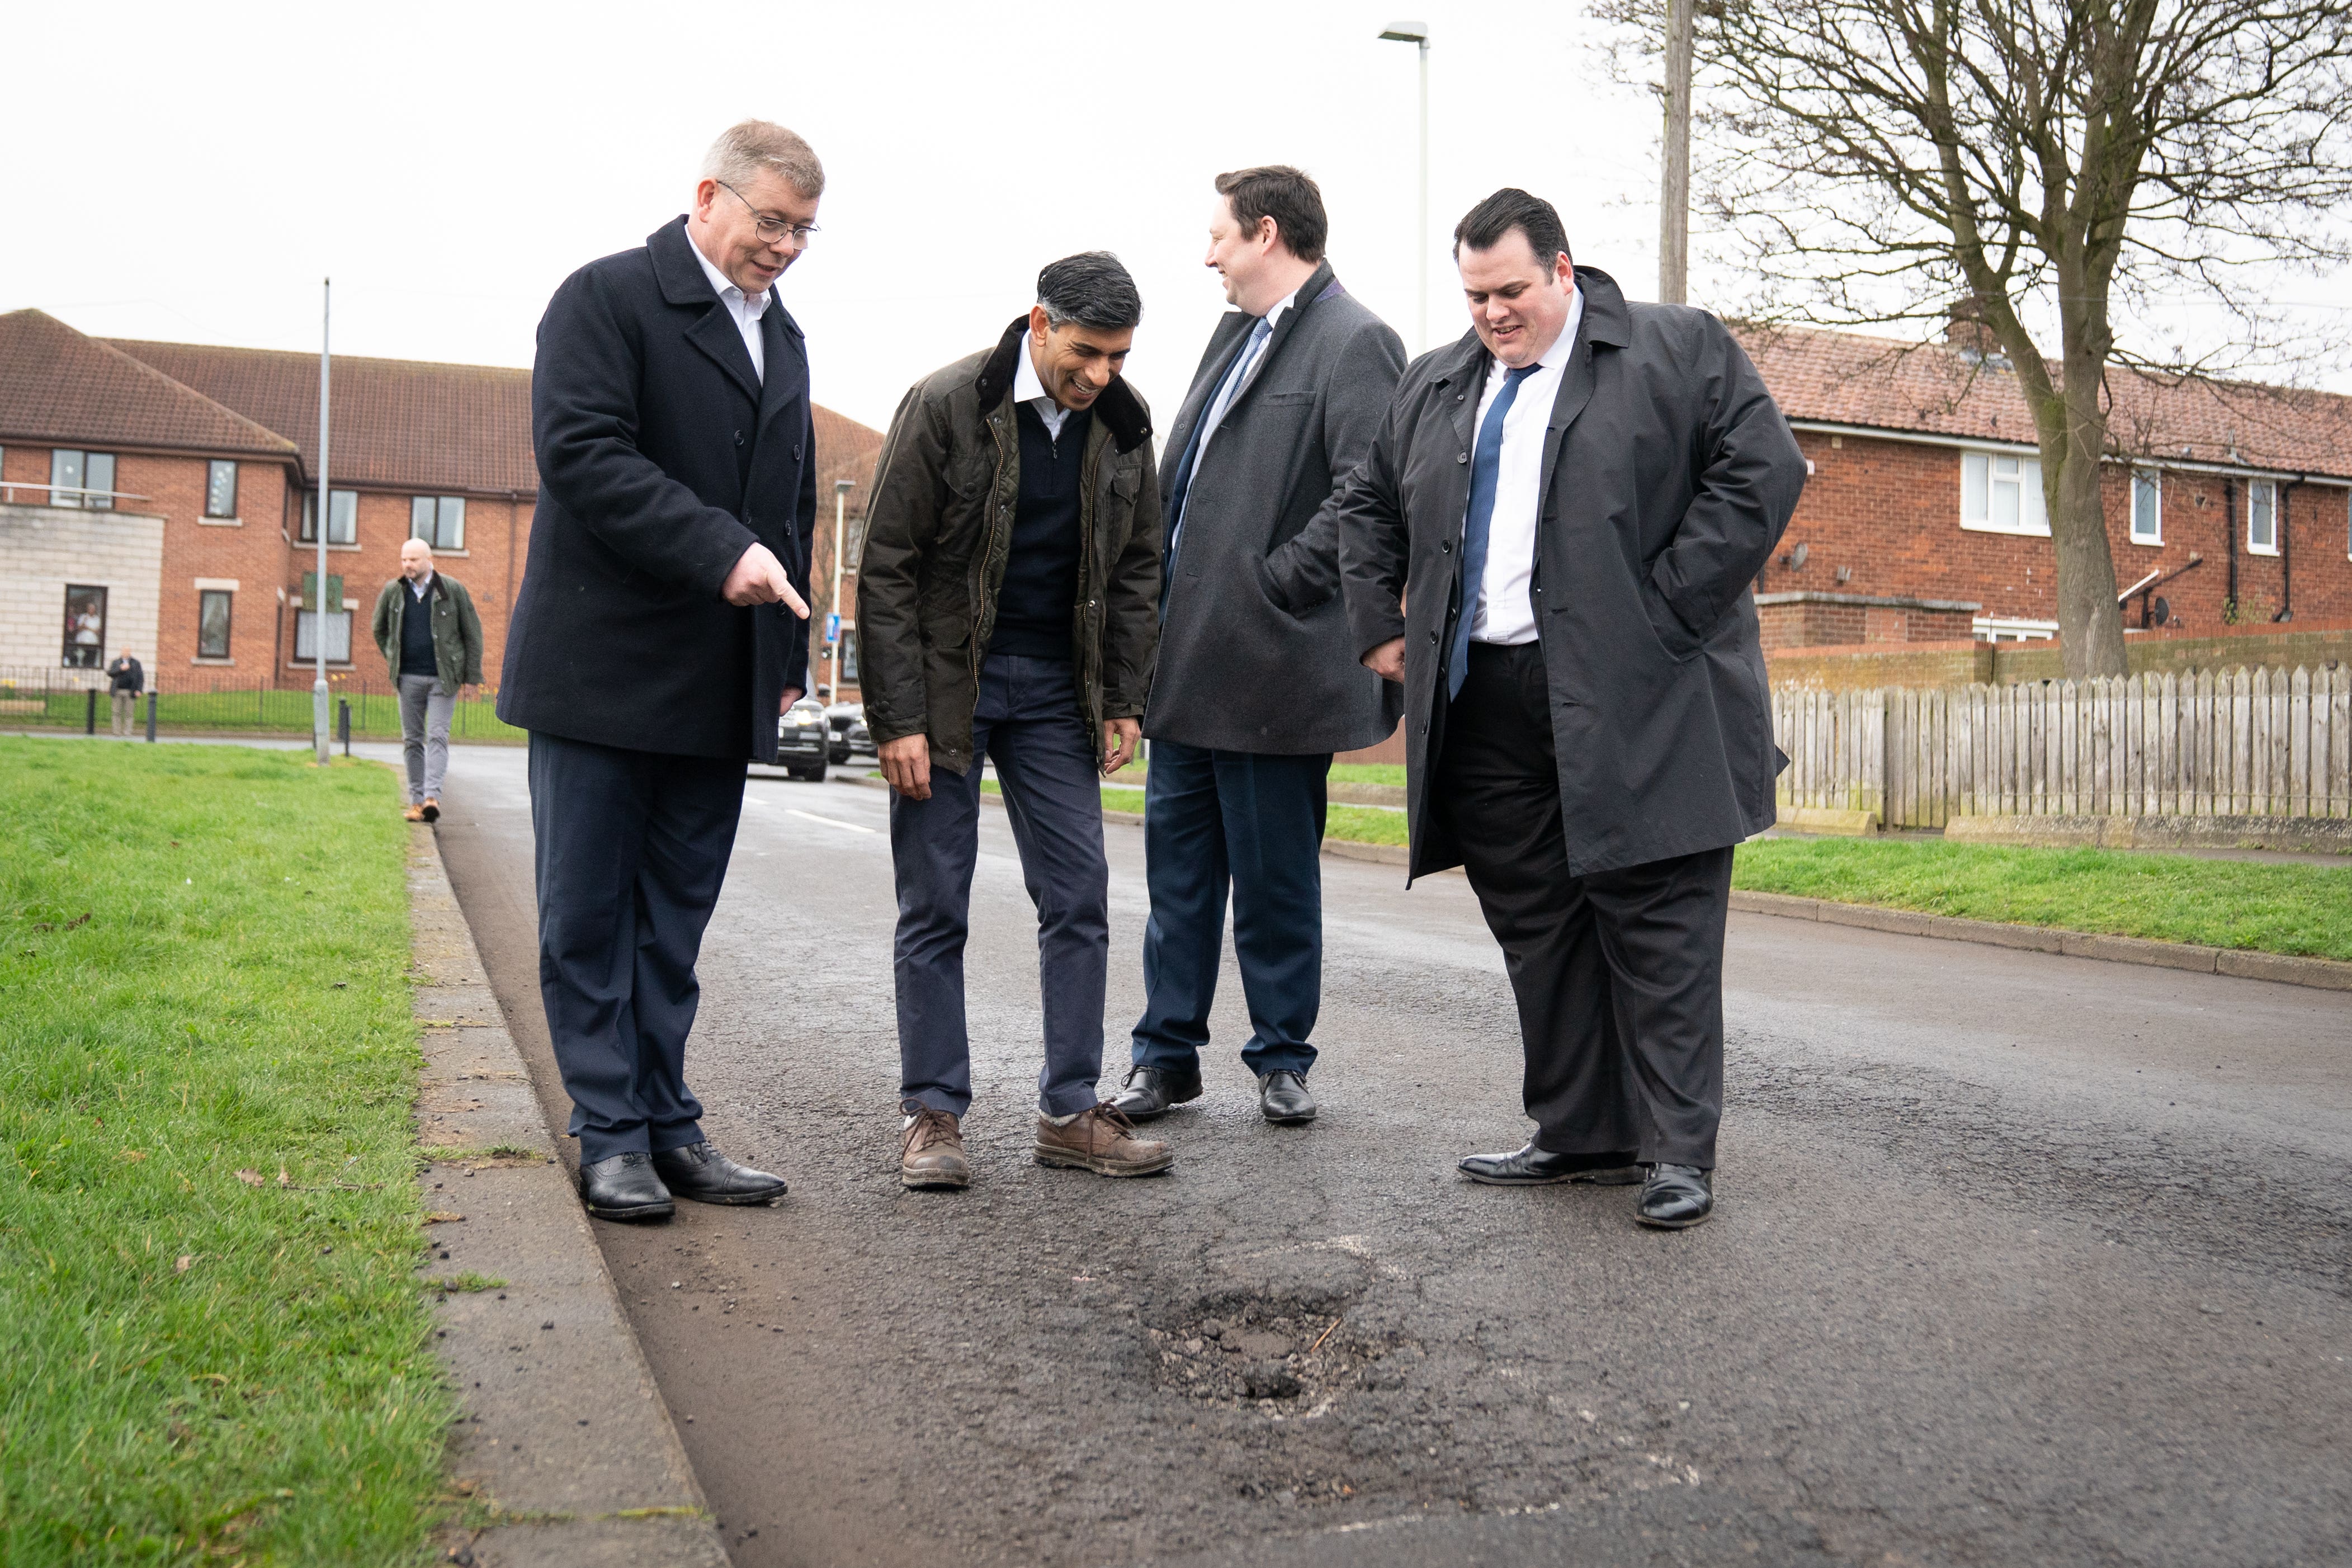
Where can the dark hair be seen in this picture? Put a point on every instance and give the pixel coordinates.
(1288, 195)
(1091, 288)
(1483, 226)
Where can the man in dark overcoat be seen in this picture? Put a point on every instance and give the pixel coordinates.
(1551, 546)
(657, 636)
(1257, 683)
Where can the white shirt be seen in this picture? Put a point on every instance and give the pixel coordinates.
(1030, 388)
(420, 586)
(747, 311)
(1214, 415)
(1506, 611)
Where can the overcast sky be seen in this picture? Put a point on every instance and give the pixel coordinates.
(191, 172)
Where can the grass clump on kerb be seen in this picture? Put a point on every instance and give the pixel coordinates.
(2304, 911)
(212, 1344)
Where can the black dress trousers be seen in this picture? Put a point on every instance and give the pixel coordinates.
(1618, 974)
(632, 849)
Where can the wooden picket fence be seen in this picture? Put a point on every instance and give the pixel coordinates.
(2237, 743)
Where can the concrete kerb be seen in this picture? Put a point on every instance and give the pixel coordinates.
(564, 1447)
(2322, 974)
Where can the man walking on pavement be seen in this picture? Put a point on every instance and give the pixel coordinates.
(1007, 610)
(657, 636)
(125, 680)
(425, 624)
(1549, 547)
(1257, 681)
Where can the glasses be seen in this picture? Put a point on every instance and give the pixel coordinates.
(769, 229)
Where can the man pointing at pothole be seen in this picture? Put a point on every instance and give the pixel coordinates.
(1007, 611)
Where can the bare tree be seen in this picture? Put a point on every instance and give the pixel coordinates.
(2050, 163)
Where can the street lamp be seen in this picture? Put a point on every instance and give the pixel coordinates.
(841, 489)
(1418, 33)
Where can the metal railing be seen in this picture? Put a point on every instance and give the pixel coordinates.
(188, 703)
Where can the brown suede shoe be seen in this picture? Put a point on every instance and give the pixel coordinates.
(413, 812)
(930, 1154)
(1102, 1140)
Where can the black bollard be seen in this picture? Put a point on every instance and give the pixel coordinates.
(150, 718)
(343, 721)
(89, 724)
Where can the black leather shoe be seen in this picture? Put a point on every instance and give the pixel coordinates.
(624, 1187)
(1282, 1095)
(1533, 1167)
(701, 1172)
(1677, 1197)
(1151, 1091)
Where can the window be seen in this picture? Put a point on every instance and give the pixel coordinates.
(848, 654)
(439, 521)
(2000, 492)
(220, 488)
(343, 519)
(85, 627)
(339, 636)
(81, 479)
(2147, 508)
(2261, 517)
(212, 623)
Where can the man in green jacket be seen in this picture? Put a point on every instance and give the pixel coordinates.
(430, 636)
(1007, 613)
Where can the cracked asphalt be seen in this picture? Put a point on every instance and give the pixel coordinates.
(2018, 1259)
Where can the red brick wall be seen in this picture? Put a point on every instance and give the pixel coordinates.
(247, 552)
(1889, 511)
(820, 603)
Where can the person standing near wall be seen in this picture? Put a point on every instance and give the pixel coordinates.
(425, 624)
(126, 681)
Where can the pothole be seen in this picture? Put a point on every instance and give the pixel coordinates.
(1281, 1356)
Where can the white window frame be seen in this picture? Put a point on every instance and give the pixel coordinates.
(212, 466)
(345, 519)
(1982, 482)
(338, 630)
(437, 511)
(2257, 489)
(2154, 479)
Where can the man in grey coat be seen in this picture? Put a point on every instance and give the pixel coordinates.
(1257, 683)
(1551, 547)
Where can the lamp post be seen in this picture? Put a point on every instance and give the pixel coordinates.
(1417, 33)
(841, 489)
(1673, 192)
(326, 516)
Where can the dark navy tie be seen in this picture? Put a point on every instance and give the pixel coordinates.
(1484, 468)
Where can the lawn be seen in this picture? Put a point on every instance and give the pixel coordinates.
(2304, 910)
(375, 714)
(212, 1345)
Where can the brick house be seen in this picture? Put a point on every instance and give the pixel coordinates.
(2228, 504)
(160, 499)
(846, 453)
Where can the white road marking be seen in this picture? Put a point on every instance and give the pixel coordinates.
(828, 821)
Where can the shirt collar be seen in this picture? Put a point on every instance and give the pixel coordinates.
(1563, 348)
(752, 304)
(1027, 386)
(422, 585)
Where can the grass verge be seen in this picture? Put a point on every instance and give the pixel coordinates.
(2300, 910)
(212, 1342)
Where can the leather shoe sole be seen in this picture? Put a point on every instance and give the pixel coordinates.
(1641, 1219)
(1610, 1176)
(1074, 1162)
(916, 1181)
(734, 1200)
(629, 1213)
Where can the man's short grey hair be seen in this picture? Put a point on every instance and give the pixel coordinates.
(1091, 288)
(743, 152)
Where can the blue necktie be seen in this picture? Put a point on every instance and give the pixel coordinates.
(1485, 467)
(1228, 388)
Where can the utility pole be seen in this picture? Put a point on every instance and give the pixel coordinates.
(1417, 34)
(1673, 191)
(326, 522)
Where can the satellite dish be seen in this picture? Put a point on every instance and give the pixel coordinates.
(2159, 612)
(1796, 556)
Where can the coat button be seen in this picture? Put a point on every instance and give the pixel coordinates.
(739, 438)
(1446, 547)
(796, 454)
(1461, 456)
(1433, 639)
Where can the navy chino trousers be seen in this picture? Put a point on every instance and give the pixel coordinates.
(631, 850)
(1250, 824)
(1027, 722)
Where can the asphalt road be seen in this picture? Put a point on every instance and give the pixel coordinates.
(2018, 1259)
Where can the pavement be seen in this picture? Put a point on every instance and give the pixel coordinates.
(2020, 1257)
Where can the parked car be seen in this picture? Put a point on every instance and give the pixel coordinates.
(801, 745)
(845, 730)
